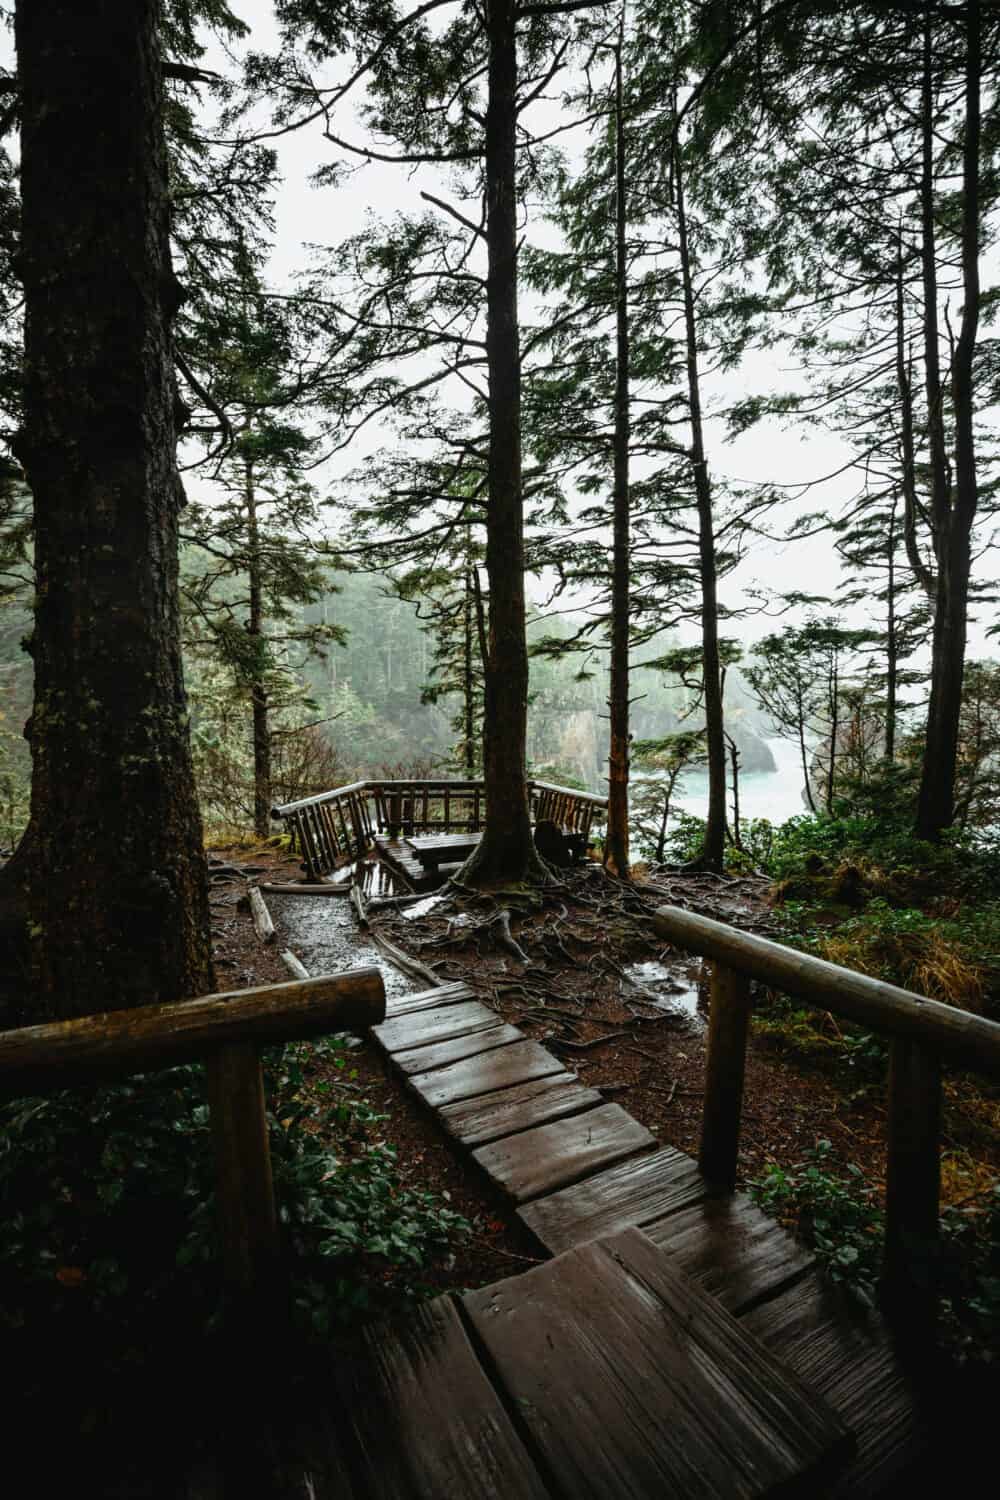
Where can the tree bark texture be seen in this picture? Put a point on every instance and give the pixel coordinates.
(616, 855)
(712, 853)
(506, 851)
(258, 687)
(953, 514)
(117, 885)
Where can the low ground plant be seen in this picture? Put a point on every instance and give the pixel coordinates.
(838, 1213)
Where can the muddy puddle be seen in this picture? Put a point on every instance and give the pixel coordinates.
(675, 988)
(323, 931)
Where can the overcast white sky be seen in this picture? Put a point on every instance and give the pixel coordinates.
(767, 453)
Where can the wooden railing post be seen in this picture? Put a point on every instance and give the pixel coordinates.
(912, 1188)
(248, 1224)
(728, 1025)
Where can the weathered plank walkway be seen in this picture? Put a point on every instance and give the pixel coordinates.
(583, 1353)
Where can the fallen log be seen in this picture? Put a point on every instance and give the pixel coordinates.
(411, 966)
(294, 965)
(358, 902)
(305, 889)
(261, 916)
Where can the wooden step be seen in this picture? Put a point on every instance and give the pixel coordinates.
(634, 1192)
(419, 1029)
(446, 994)
(550, 1156)
(732, 1250)
(423, 1420)
(476, 1122)
(632, 1383)
(845, 1352)
(426, 1059)
(501, 1068)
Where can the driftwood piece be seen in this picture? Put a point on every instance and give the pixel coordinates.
(40, 1059)
(358, 902)
(306, 888)
(411, 966)
(294, 965)
(261, 916)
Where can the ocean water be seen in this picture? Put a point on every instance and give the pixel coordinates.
(776, 795)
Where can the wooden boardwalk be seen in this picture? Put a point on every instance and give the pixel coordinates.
(587, 1371)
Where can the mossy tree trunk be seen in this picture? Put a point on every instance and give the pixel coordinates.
(116, 881)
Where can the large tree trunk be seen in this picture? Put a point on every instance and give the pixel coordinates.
(616, 849)
(713, 850)
(117, 888)
(507, 851)
(953, 517)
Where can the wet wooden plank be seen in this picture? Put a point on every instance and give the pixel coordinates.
(845, 1352)
(551, 1156)
(732, 1250)
(634, 1383)
(634, 1192)
(425, 1059)
(423, 1420)
(422, 1028)
(446, 994)
(476, 1122)
(502, 1068)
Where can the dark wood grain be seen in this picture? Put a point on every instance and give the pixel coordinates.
(732, 1250)
(912, 1190)
(446, 994)
(728, 1028)
(421, 1028)
(550, 1156)
(502, 1068)
(426, 1059)
(633, 1383)
(248, 1225)
(846, 1354)
(423, 1420)
(475, 1122)
(634, 1192)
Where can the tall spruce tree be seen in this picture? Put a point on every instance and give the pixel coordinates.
(112, 864)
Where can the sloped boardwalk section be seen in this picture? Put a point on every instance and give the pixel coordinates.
(681, 1343)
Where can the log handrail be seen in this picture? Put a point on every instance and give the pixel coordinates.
(226, 1032)
(959, 1035)
(921, 1031)
(113, 1044)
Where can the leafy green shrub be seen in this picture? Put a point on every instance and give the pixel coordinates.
(107, 1203)
(837, 1212)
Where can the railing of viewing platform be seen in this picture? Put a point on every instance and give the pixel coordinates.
(332, 827)
(921, 1032)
